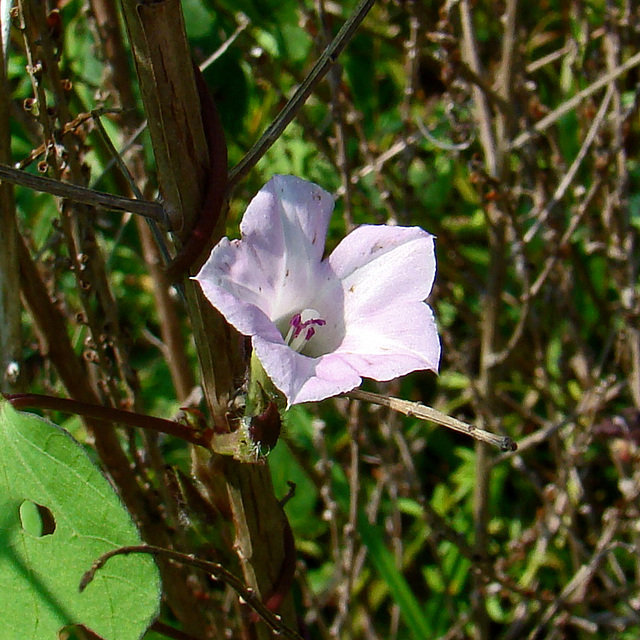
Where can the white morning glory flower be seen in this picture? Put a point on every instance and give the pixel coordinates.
(318, 326)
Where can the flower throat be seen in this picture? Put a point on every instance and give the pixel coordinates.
(302, 327)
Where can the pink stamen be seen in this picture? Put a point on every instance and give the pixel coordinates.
(299, 326)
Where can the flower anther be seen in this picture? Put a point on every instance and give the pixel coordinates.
(302, 328)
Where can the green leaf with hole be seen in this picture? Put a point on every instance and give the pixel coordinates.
(58, 513)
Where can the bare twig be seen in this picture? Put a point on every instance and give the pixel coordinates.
(243, 23)
(549, 58)
(213, 568)
(151, 210)
(575, 165)
(324, 63)
(10, 321)
(567, 106)
(493, 139)
(483, 112)
(348, 567)
(419, 410)
(339, 120)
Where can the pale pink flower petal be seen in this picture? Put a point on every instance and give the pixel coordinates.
(363, 308)
(259, 278)
(377, 261)
(302, 378)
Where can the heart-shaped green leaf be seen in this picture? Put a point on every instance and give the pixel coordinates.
(58, 514)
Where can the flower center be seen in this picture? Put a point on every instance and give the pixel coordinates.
(302, 327)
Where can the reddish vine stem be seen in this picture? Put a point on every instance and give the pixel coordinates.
(109, 414)
(216, 570)
(215, 195)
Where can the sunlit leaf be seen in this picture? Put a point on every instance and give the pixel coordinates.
(58, 513)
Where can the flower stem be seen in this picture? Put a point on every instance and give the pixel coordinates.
(261, 390)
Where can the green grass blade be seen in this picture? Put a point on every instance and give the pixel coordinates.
(385, 564)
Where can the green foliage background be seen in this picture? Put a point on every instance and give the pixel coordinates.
(403, 529)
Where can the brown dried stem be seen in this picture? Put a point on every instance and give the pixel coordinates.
(418, 410)
(169, 93)
(10, 326)
(493, 146)
(216, 570)
(151, 210)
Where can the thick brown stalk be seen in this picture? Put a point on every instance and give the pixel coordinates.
(169, 93)
(165, 74)
(119, 77)
(202, 235)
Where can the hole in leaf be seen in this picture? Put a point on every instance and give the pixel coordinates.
(77, 632)
(36, 519)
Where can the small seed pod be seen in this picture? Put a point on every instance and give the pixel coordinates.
(265, 428)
